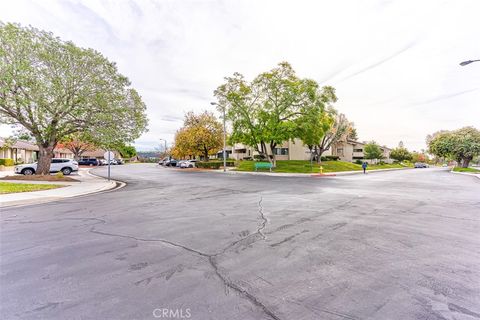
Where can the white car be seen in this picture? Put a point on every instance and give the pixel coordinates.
(66, 166)
(187, 164)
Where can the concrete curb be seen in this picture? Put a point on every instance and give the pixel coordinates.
(467, 174)
(40, 197)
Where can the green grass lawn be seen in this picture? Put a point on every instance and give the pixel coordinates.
(303, 166)
(469, 170)
(10, 187)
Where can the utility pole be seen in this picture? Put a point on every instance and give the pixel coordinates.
(224, 138)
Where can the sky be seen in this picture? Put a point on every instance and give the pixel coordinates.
(394, 63)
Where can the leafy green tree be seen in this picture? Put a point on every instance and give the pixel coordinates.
(314, 122)
(461, 145)
(372, 151)
(54, 89)
(264, 112)
(400, 154)
(126, 151)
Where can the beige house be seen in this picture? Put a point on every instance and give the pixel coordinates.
(26, 152)
(295, 150)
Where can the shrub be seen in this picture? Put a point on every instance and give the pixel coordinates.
(330, 158)
(259, 157)
(247, 158)
(209, 164)
(7, 162)
(381, 162)
(59, 174)
(358, 161)
(215, 164)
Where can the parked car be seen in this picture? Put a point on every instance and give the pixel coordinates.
(66, 166)
(103, 162)
(119, 161)
(188, 164)
(171, 163)
(163, 161)
(421, 165)
(89, 162)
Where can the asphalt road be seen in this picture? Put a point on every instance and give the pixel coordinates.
(173, 244)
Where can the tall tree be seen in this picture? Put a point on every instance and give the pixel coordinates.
(372, 151)
(400, 154)
(352, 133)
(461, 145)
(314, 122)
(54, 89)
(338, 131)
(201, 134)
(264, 112)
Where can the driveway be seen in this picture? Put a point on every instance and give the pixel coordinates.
(195, 245)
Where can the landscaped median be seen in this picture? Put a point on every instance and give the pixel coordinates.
(466, 170)
(304, 166)
(11, 187)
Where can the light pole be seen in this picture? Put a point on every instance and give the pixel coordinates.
(165, 145)
(224, 138)
(464, 63)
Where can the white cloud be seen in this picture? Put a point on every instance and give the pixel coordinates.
(394, 63)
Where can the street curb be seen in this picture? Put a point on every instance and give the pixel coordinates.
(20, 203)
(467, 174)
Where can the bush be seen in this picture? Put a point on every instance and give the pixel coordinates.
(259, 157)
(59, 174)
(358, 161)
(381, 162)
(209, 164)
(247, 158)
(7, 162)
(330, 158)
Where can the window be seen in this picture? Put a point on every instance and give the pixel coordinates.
(357, 150)
(281, 151)
(340, 151)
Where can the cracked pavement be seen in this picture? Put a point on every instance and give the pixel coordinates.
(386, 245)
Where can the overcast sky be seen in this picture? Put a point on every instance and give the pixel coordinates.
(395, 64)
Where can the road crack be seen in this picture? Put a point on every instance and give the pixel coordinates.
(212, 258)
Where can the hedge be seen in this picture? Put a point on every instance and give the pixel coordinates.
(330, 158)
(216, 164)
(6, 162)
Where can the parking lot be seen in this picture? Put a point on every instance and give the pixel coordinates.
(386, 245)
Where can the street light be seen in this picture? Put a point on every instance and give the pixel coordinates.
(464, 63)
(165, 145)
(224, 138)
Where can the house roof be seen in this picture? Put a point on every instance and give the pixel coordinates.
(26, 145)
(98, 153)
(21, 144)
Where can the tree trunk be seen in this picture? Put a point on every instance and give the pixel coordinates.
(466, 162)
(45, 156)
(319, 154)
(272, 149)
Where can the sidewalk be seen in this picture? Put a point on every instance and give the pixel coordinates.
(88, 184)
(477, 175)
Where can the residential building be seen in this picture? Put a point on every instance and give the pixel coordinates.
(26, 152)
(295, 150)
